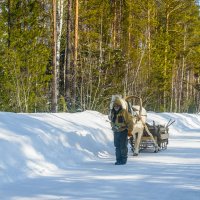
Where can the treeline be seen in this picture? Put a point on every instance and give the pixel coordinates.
(71, 55)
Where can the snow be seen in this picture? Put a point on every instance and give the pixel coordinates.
(46, 156)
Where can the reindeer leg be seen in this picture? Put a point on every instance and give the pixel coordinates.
(137, 143)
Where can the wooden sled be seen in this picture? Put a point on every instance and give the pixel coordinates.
(160, 134)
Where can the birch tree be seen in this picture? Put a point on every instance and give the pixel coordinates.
(59, 29)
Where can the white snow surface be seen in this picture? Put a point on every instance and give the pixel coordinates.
(46, 156)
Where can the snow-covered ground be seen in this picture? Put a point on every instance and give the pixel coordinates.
(71, 156)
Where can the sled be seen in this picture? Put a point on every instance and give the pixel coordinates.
(160, 134)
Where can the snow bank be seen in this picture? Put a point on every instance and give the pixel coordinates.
(44, 144)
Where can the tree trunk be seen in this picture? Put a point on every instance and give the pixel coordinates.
(75, 56)
(9, 23)
(58, 43)
(68, 56)
(54, 79)
(182, 72)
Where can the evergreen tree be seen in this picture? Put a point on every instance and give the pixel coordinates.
(148, 48)
(25, 57)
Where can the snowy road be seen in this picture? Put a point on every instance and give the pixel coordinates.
(171, 174)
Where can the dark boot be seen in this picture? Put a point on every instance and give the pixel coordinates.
(123, 162)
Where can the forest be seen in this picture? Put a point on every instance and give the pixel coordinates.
(73, 55)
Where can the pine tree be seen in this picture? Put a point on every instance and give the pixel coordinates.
(25, 57)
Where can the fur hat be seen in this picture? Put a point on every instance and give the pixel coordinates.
(117, 102)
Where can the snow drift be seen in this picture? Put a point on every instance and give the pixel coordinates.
(43, 144)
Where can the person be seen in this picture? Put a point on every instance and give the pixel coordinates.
(122, 126)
